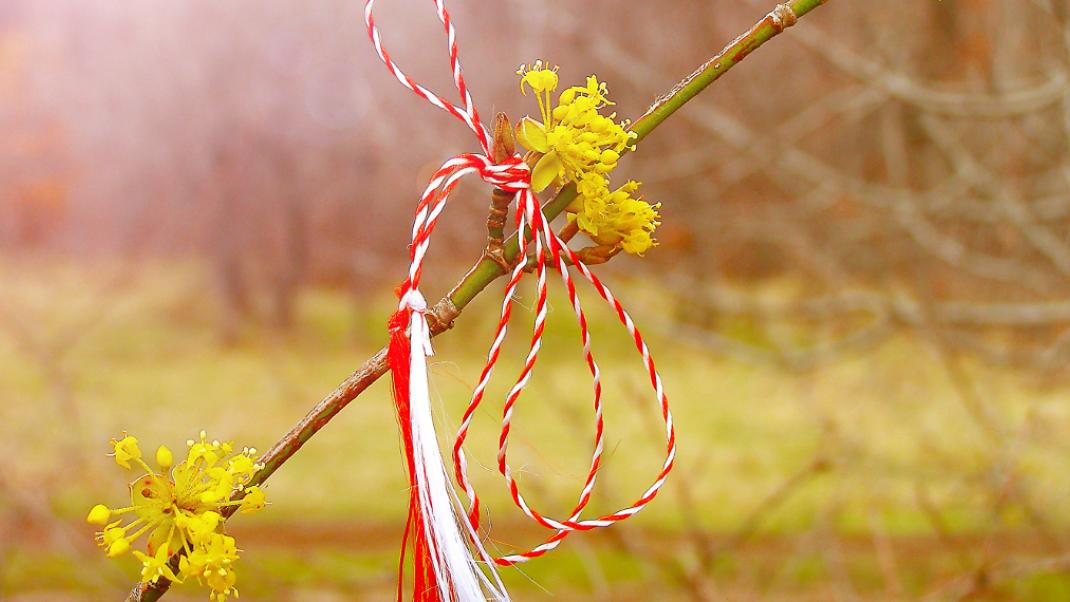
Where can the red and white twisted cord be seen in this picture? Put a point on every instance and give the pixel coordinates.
(528, 213)
(469, 115)
(513, 175)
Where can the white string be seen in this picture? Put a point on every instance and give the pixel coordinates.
(442, 513)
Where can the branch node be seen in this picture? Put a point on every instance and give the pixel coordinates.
(783, 17)
(503, 148)
(441, 316)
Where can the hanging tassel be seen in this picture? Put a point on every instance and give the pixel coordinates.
(444, 567)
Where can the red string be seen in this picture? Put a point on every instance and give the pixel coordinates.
(425, 588)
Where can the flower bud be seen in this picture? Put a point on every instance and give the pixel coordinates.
(164, 457)
(118, 547)
(99, 515)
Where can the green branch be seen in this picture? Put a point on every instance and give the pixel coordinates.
(769, 27)
(486, 271)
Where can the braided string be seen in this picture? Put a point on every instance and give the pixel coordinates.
(513, 175)
(469, 115)
(529, 212)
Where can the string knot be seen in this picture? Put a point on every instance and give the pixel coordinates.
(414, 301)
(511, 175)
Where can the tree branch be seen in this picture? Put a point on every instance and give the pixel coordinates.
(486, 271)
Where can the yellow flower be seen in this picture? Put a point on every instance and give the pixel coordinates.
(210, 453)
(222, 484)
(574, 137)
(182, 512)
(111, 534)
(126, 449)
(211, 565)
(155, 566)
(254, 500)
(221, 582)
(199, 527)
(242, 464)
(579, 144)
(542, 79)
(614, 218)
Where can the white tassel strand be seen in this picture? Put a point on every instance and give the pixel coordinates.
(460, 576)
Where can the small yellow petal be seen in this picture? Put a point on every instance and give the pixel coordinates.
(545, 172)
(532, 135)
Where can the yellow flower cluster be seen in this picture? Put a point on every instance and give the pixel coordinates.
(614, 218)
(579, 144)
(180, 508)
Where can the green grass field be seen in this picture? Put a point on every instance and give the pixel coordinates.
(906, 496)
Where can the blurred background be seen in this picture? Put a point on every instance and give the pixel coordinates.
(860, 303)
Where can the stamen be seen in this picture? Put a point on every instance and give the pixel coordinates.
(142, 530)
